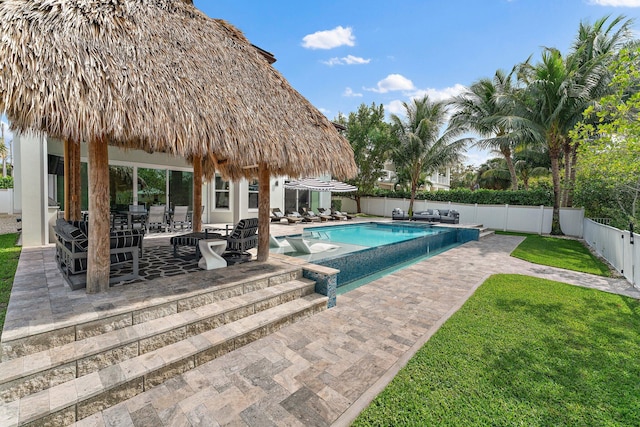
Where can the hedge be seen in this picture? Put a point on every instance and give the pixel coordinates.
(6, 182)
(534, 197)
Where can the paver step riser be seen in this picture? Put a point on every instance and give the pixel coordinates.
(126, 388)
(65, 335)
(67, 370)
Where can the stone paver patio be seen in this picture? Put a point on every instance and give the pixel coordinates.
(325, 369)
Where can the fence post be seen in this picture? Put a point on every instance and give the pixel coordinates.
(541, 219)
(475, 219)
(506, 216)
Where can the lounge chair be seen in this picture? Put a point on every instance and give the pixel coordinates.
(157, 218)
(180, 218)
(310, 216)
(324, 211)
(294, 214)
(301, 245)
(291, 220)
(344, 214)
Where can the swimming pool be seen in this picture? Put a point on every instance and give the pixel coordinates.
(363, 249)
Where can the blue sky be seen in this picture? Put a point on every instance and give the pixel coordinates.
(339, 54)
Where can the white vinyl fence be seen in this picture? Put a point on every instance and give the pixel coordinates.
(618, 247)
(6, 201)
(526, 219)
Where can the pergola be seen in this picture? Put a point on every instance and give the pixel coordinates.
(159, 76)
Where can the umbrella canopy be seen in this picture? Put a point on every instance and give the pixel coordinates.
(159, 75)
(315, 184)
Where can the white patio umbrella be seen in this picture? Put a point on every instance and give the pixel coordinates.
(315, 184)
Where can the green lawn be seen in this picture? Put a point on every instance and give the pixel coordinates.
(9, 255)
(523, 351)
(563, 253)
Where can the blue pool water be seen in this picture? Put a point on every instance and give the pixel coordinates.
(364, 249)
(371, 234)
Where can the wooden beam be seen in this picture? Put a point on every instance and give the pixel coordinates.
(197, 194)
(98, 262)
(264, 205)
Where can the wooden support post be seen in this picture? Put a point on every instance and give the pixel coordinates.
(264, 203)
(75, 189)
(67, 180)
(98, 259)
(197, 194)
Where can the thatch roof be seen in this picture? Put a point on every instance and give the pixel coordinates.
(158, 75)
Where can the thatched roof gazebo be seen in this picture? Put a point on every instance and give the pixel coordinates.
(157, 75)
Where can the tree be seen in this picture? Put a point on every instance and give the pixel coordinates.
(463, 176)
(370, 138)
(421, 147)
(487, 108)
(493, 175)
(531, 163)
(594, 49)
(558, 91)
(609, 149)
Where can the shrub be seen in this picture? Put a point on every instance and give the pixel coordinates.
(535, 197)
(6, 182)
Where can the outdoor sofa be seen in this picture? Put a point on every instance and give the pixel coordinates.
(72, 242)
(398, 213)
(445, 216)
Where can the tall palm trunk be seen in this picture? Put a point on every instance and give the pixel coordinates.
(566, 189)
(506, 152)
(554, 154)
(414, 190)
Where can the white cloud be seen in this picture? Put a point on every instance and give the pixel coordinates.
(324, 111)
(329, 39)
(616, 3)
(439, 94)
(394, 107)
(391, 83)
(435, 95)
(350, 93)
(347, 60)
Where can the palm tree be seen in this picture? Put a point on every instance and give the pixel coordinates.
(594, 48)
(487, 108)
(493, 175)
(421, 145)
(560, 89)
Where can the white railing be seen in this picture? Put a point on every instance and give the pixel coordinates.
(526, 219)
(619, 247)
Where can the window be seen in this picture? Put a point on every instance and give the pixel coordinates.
(253, 194)
(222, 193)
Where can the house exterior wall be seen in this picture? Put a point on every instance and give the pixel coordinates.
(33, 186)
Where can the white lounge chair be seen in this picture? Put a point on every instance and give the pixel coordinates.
(301, 245)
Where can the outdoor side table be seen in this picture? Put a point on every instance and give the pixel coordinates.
(211, 249)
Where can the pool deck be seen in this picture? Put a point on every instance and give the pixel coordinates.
(324, 370)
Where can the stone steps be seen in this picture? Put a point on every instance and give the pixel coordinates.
(38, 371)
(484, 232)
(16, 345)
(81, 397)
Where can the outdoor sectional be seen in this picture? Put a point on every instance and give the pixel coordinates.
(71, 251)
(445, 216)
